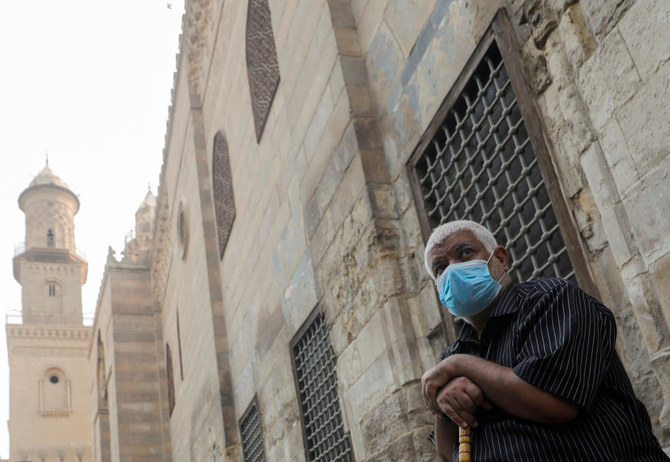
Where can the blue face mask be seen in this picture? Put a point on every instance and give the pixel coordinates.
(467, 288)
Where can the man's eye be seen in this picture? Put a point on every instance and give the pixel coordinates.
(467, 252)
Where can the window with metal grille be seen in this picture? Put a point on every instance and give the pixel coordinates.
(252, 434)
(480, 165)
(316, 381)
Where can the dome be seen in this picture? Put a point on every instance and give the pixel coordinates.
(47, 177)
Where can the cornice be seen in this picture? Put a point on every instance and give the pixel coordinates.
(45, 332)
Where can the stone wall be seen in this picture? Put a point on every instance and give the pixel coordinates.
(126, 365)
(325, 217)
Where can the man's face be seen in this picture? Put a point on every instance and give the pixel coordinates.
(463, 246)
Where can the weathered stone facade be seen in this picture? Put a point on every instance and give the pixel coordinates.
(324, 216)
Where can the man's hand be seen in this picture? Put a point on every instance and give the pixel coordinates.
(459, 399)
(500, 385)
(431, 383)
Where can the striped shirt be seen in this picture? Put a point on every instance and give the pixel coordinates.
(559, 339)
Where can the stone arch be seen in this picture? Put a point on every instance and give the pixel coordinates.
(262, 64)
(222, 183)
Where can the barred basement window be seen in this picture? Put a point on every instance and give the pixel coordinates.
(478, 163)
(262, 65)
(224, 202)
(252, 434)
(316, 381)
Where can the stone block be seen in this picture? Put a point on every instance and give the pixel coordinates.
(321, 156)
(373, 387)
(349, 365)
(368, 18)
(646, 30)
(577, 39)
(648, 206)
(348, 193)
(300, 294)
(615, 223)
(660, 275)
(608, 79)
(644, 122)
(601, 17)
(318, 122)
(567, 165)
(406, 19)
(384, 62)
(371, 341)
(587, 218)
(618, 156)
(599, 178)
(576, 118)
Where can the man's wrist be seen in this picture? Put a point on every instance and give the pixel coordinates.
(452, 366)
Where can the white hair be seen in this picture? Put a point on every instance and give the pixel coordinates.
(442, 232)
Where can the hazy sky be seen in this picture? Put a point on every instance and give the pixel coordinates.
(90, 82)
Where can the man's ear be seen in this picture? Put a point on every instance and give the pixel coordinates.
(501, 254)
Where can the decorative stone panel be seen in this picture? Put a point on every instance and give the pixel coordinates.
(262, 65)
(224, 201)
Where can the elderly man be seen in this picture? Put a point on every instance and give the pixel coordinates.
(534, 372)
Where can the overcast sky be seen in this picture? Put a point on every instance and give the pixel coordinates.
(90, 82)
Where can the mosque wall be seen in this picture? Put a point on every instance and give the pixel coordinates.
(325, 219)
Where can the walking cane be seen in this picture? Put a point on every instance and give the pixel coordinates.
(464, 444)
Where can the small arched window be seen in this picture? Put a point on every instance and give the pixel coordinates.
(50, 238)
(54, 396)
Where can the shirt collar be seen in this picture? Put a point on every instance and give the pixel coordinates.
(506, 304)
(507, 301)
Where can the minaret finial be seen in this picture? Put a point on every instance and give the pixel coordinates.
(46, 154)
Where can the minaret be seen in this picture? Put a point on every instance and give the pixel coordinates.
(49, 404)
(49, 269)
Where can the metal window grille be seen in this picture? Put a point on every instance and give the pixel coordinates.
(314, 368)
(481, 166)
(252, 435)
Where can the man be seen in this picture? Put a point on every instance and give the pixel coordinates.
(534, 372)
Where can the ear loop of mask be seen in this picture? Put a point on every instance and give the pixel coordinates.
(487, 266)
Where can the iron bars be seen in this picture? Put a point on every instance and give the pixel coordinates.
(252, 435)
(316, 380)
(480, 165)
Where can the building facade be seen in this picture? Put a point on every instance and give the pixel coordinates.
(273, 304)
(49, 402)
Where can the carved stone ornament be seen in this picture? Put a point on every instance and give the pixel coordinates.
(224, 201)
(160, 252)
(262, 65)
(198, 30)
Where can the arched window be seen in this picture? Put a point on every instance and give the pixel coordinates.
(224, 202)
(50, 238)
(262, 65)
(54, 388)
(170, 378)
